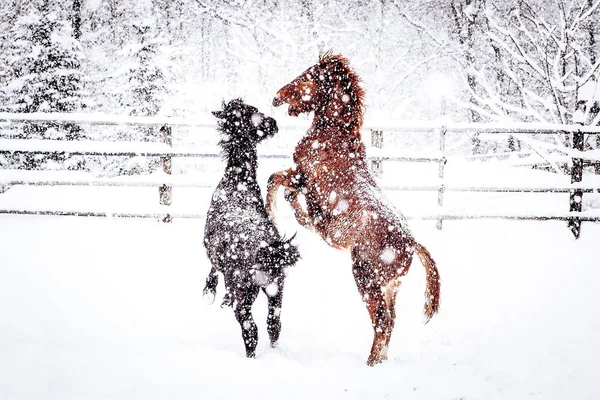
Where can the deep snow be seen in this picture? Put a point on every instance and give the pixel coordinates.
(108, 308)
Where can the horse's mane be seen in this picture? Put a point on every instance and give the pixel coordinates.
(348, 77)
(233, 148)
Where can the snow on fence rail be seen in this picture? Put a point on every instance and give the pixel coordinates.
(95, 182)
(376, 155)
(566, 216)
(208, 122)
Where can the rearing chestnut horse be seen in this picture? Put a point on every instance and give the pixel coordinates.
(343, 203)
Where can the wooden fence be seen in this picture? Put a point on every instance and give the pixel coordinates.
(377, 156)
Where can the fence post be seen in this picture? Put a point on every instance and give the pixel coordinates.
(576, 196)
(442, 165)
(377, 141)
(165, 192)
(594, 111)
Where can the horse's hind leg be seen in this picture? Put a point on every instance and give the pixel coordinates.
(210, 289)
(391, 290)
(378, 308)
(243, 314)
(274, 316)
(382, 326)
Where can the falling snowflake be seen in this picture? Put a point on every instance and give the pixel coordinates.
(388, 255)
(257, 119)
(272, 289)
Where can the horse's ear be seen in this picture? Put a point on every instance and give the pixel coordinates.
(324, 55)
(219, 114)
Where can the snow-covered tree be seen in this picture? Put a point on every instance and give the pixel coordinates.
(148, 72)
(45, 75)
(500, 60)
(517, 59)
(544, 55)
(45, 67)
(140, 85)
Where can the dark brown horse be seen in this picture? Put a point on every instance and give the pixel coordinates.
(343, 203)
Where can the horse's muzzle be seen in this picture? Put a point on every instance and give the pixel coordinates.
(271, 126)
(277, 101)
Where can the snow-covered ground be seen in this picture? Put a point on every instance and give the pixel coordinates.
(110, 308)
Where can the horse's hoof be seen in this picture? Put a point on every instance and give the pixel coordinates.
(274, 344)
(227, 301)
(372, 361)
(208, 297)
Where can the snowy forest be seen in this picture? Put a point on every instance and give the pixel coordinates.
(471, 60)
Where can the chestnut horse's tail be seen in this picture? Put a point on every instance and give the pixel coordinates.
(432, 289)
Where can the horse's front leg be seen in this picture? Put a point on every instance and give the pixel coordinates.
(303, 218)
(288, 180)
(210, 289)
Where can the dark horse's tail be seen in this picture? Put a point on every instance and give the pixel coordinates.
(278, 254)
(432, 289)
(272, 259)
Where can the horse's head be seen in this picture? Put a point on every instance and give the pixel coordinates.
(244, 124)
(330, 86)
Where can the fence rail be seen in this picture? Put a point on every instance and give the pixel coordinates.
(194, 184)
(153, 149)
(207, 121)
(584, 216)
(376, 154)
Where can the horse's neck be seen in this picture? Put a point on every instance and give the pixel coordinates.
(320, 140)
(242, 164)
(328, 129)
(338, 117)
